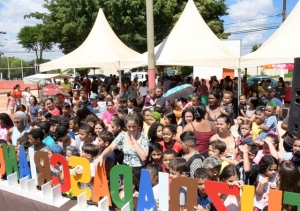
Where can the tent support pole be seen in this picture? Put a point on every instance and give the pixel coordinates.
(120, 82)
(150, 44)
(239, 85)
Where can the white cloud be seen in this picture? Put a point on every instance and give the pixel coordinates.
(252, 39)
(12, 20)
(250, 9)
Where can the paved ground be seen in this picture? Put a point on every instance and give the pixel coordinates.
(3, 108)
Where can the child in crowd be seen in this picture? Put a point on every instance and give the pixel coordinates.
(11, 102)
(270, 147)
(227, 107)
(230, 176)
(295, 144)
(217, 148)
(150, 99)
(75, 108)
(22, 141)
(104, 140)
(71, 151)
(204, 202)
(191, 154)
(117, 126)
(154, 117)
(245, 128)
(122, 111)
(154, 169)
(53, 122)
(62, 138)
(48, 139)
(40, 116)
(74, 125)
(177, 168)
(91, 120)
(88, 151)
(169, 142)
(177, 109)
(68, 99)
(168, 155)
(270, 123)
(247, 167)
(155, 133)
(193, 102)
(268, 167)
(42, 106)
(155, 154)
(260, 117)
(85, 135)
(66, 110)
(243, 106)
(213, 165)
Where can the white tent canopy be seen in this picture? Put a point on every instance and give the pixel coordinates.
(41, 78)
(101, 49)
(190, 43)
(282, 47)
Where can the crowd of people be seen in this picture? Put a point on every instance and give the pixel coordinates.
(185, 137)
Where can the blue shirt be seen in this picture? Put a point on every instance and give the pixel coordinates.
(270, 122)
(33, 112)
(206, 203)
(277, 101)
(71, 134)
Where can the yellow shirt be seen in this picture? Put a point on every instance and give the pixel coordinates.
(178, 114)
(256, 131)
(261, 91)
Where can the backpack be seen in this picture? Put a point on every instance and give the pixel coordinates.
(190, 161)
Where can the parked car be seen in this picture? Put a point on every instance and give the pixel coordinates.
(250, 81)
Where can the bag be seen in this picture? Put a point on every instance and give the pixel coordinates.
(190, 161)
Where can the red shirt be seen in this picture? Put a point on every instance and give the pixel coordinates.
(176, 146)
(288, 94)
(246, 88)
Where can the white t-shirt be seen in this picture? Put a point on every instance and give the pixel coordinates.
(155, 190)
(26, 96)
(261, 201)
(143, 90)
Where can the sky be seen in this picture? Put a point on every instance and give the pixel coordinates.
(243, 15)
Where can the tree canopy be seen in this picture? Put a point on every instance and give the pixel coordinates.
(15, 67)
(32, 38)
(68, 22)
(255, 47)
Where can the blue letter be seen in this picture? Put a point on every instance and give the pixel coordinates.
(23, 163)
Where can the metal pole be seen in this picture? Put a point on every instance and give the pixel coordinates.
(150, 44)
(284, 11)
(22, 68)
(8, 70)
(239, 85)
(120, 82)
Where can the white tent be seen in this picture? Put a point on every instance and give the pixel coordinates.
(101, 49)
(190, 43)
(282, 47)
(41, 78)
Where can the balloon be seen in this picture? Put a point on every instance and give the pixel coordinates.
(290, 66)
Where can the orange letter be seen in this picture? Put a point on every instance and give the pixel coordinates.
(2, 162)
(85, 177)
(44, 170)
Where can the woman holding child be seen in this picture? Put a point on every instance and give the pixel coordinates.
(224, 134)
(134, 144)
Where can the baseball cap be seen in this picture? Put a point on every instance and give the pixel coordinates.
(93, 96)
(271, 89)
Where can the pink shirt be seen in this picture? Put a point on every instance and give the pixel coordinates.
(55, 112)
(107, 115)
(261, 154)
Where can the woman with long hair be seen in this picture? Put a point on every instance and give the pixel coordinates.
(33, 108)
(108, 113)
(202, 128)
(170, 119)
(187, 116)
(213, 109)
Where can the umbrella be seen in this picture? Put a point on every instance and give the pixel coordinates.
(177, 92)
(52, 90)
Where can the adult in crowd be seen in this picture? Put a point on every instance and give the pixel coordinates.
(94, 104)
(94, 85)
(76, 86)
(88, 84)
(76, 98)
(280, 91)
(51, 107)
(21, 126)
(271, 97)
(253, 102)
(254, 87)
(202, 128)
(213, 109)
(143, 90)
(18, 94)
(60, 102)
(224, 134)
(288, 93)
(203, 92)
(161, 101)
(101, 105)
(33, 108)
(66, 84)
(245, 86)
(187, 116)
(167, 83)
(26, 94)
(134, 144)
(83, 111)
(106, 117)
(6, 127)
(84, 97)
(262, 88)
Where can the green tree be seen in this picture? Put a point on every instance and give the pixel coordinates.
(68, 22)
(255, 47)
(33, 39)
(15, 69)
